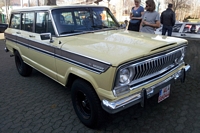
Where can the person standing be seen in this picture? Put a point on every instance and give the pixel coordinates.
(150, 18)
(135, 16)
(168, 20)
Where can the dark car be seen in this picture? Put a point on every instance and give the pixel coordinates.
(3, 27)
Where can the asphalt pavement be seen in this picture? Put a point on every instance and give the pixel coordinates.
(37, 104)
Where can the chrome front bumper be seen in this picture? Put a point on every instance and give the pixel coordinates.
(140, 97)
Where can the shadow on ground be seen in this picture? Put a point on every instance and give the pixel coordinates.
(193, 56)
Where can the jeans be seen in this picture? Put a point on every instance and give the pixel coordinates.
(167, 29)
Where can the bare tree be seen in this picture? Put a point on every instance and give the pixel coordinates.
(181, 8)
(177, 4)
(50, 2)
(7, 3)
(194, 12)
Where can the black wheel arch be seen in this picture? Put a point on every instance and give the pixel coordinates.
(72, 77)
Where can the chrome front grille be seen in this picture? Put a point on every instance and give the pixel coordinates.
(133, 75)
(156, 65)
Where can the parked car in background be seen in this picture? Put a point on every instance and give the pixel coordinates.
(184, 30)
(3, 27)
(84, 48)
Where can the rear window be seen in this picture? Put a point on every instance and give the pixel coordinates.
(176, 27)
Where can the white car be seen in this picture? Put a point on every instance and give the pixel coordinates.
(184, 30)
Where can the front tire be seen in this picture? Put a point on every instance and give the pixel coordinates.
(87, 104)
(23, 69)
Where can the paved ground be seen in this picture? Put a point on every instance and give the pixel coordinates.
(37, 104)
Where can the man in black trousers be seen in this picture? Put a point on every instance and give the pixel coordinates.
(168, 20)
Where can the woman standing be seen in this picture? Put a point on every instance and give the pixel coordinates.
(135, 16)
(150, 18)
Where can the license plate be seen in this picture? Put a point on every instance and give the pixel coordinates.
(164, 93)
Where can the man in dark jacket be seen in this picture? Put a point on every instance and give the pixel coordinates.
(168, 20)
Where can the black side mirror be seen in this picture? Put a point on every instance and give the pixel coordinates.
(46, 36)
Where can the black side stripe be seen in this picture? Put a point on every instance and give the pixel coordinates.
(73, 58)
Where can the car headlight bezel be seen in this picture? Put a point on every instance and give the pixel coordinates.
(124, 78)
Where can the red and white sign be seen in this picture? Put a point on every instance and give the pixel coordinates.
(164, 93)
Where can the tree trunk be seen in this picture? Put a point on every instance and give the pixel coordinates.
(49, 2)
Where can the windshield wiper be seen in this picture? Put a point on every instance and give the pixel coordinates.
(76, 32)
(66, 32)
(102, 27)
(99, 26)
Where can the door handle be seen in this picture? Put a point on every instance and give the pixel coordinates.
(31, 36)
(18, 32)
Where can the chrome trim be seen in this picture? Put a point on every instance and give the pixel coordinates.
(131, 88)
(53, 23)
(118, 105)
(187, 67)
(151, 56)
(157, 57)
(121, 102)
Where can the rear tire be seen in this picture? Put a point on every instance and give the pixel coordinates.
(87, 104)
(23, 69)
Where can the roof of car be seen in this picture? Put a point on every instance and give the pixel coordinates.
(39, 8)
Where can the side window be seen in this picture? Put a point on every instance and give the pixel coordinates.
(27, 21)
(106, 18)
(15, 21)
(176, 27)
(198, 29)
(187, 28)
(191, 28)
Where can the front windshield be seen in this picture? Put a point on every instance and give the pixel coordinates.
(74, 20)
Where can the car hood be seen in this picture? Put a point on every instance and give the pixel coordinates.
(118, 46)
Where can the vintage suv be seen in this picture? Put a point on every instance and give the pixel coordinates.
(84, 48)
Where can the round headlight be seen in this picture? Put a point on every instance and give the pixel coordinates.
(124, 76)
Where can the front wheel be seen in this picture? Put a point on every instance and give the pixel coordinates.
(22, 68)
(87, 104)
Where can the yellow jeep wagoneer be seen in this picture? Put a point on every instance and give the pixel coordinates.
(84, 48)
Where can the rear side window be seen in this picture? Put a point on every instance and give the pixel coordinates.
(15, 21)
(27, 21)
